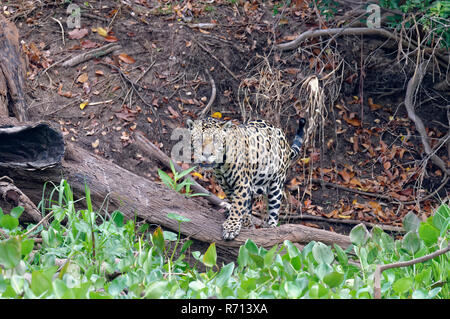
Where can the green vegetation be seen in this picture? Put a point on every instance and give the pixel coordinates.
(183, 187)
(82, 254)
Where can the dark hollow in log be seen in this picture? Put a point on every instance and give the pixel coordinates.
(30, 146)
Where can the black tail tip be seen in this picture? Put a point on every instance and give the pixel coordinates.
(302, 122)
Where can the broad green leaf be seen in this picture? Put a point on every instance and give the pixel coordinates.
(293, 290)
(9, 222)
(333, 279)
(170, 236)
(411, 242)
(359, 235)
(322, 270)
(210, 257)
(178, 218)
(341, 255)
(224, 274)
(10, 252)
(402, 285)
(243, 256)
(268, 257)
(428, 233)
(411, 222)
(41, 280)
(27, 246)
(196, 285)
(322, 253)
(156, 289)
(441, 217)
(117, 218)
(251, 246)
(16, 211)
(318, 291)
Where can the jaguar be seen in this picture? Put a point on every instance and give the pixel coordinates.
(247, 160)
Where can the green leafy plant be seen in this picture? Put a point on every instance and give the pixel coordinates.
(85, 254)
(180, 187)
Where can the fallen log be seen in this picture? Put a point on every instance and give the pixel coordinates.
(152, 201)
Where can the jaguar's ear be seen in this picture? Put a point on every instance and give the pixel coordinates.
(190, 123)
(228, 124)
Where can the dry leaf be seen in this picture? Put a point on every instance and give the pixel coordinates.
(346, 176)
(353, 121)
(96, 143)
(373, 106)
(82, 78)
(376, 206)
(126, 58)
(78, 33)
(83, 105)
(65, 94)
(217, 115)
(111, 38)
(101, 31)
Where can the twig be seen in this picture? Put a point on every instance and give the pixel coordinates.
(331, 32)
(376, 195)
(133, 86)
(62, 30)
(342, 221)
(220, 62)
(413, 84)
(11, 193)
(380, 268)
(95, 53)
(213, 94)
(207, 26)
(44, 220)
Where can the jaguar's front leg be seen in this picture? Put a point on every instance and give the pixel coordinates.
(237, 214)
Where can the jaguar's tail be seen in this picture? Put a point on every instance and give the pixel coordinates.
(298, 139)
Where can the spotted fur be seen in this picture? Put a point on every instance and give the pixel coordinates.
(248, 160)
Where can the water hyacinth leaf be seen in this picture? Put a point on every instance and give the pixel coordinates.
(156, 289)
(411, 222)
(170, 236)
(359, 235)
(441, 218)
(428, 233)
(41, 280)
(322, 253)
(333, 279)
(341, 255)
(322, 270)
(210, 257)
(27, 246)
(411, 242)
(10, 252)
(402, 285)
(9, 222)
(16, 211)
(224, 274)
(268, 257)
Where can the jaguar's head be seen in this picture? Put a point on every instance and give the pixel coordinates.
(208, 137)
